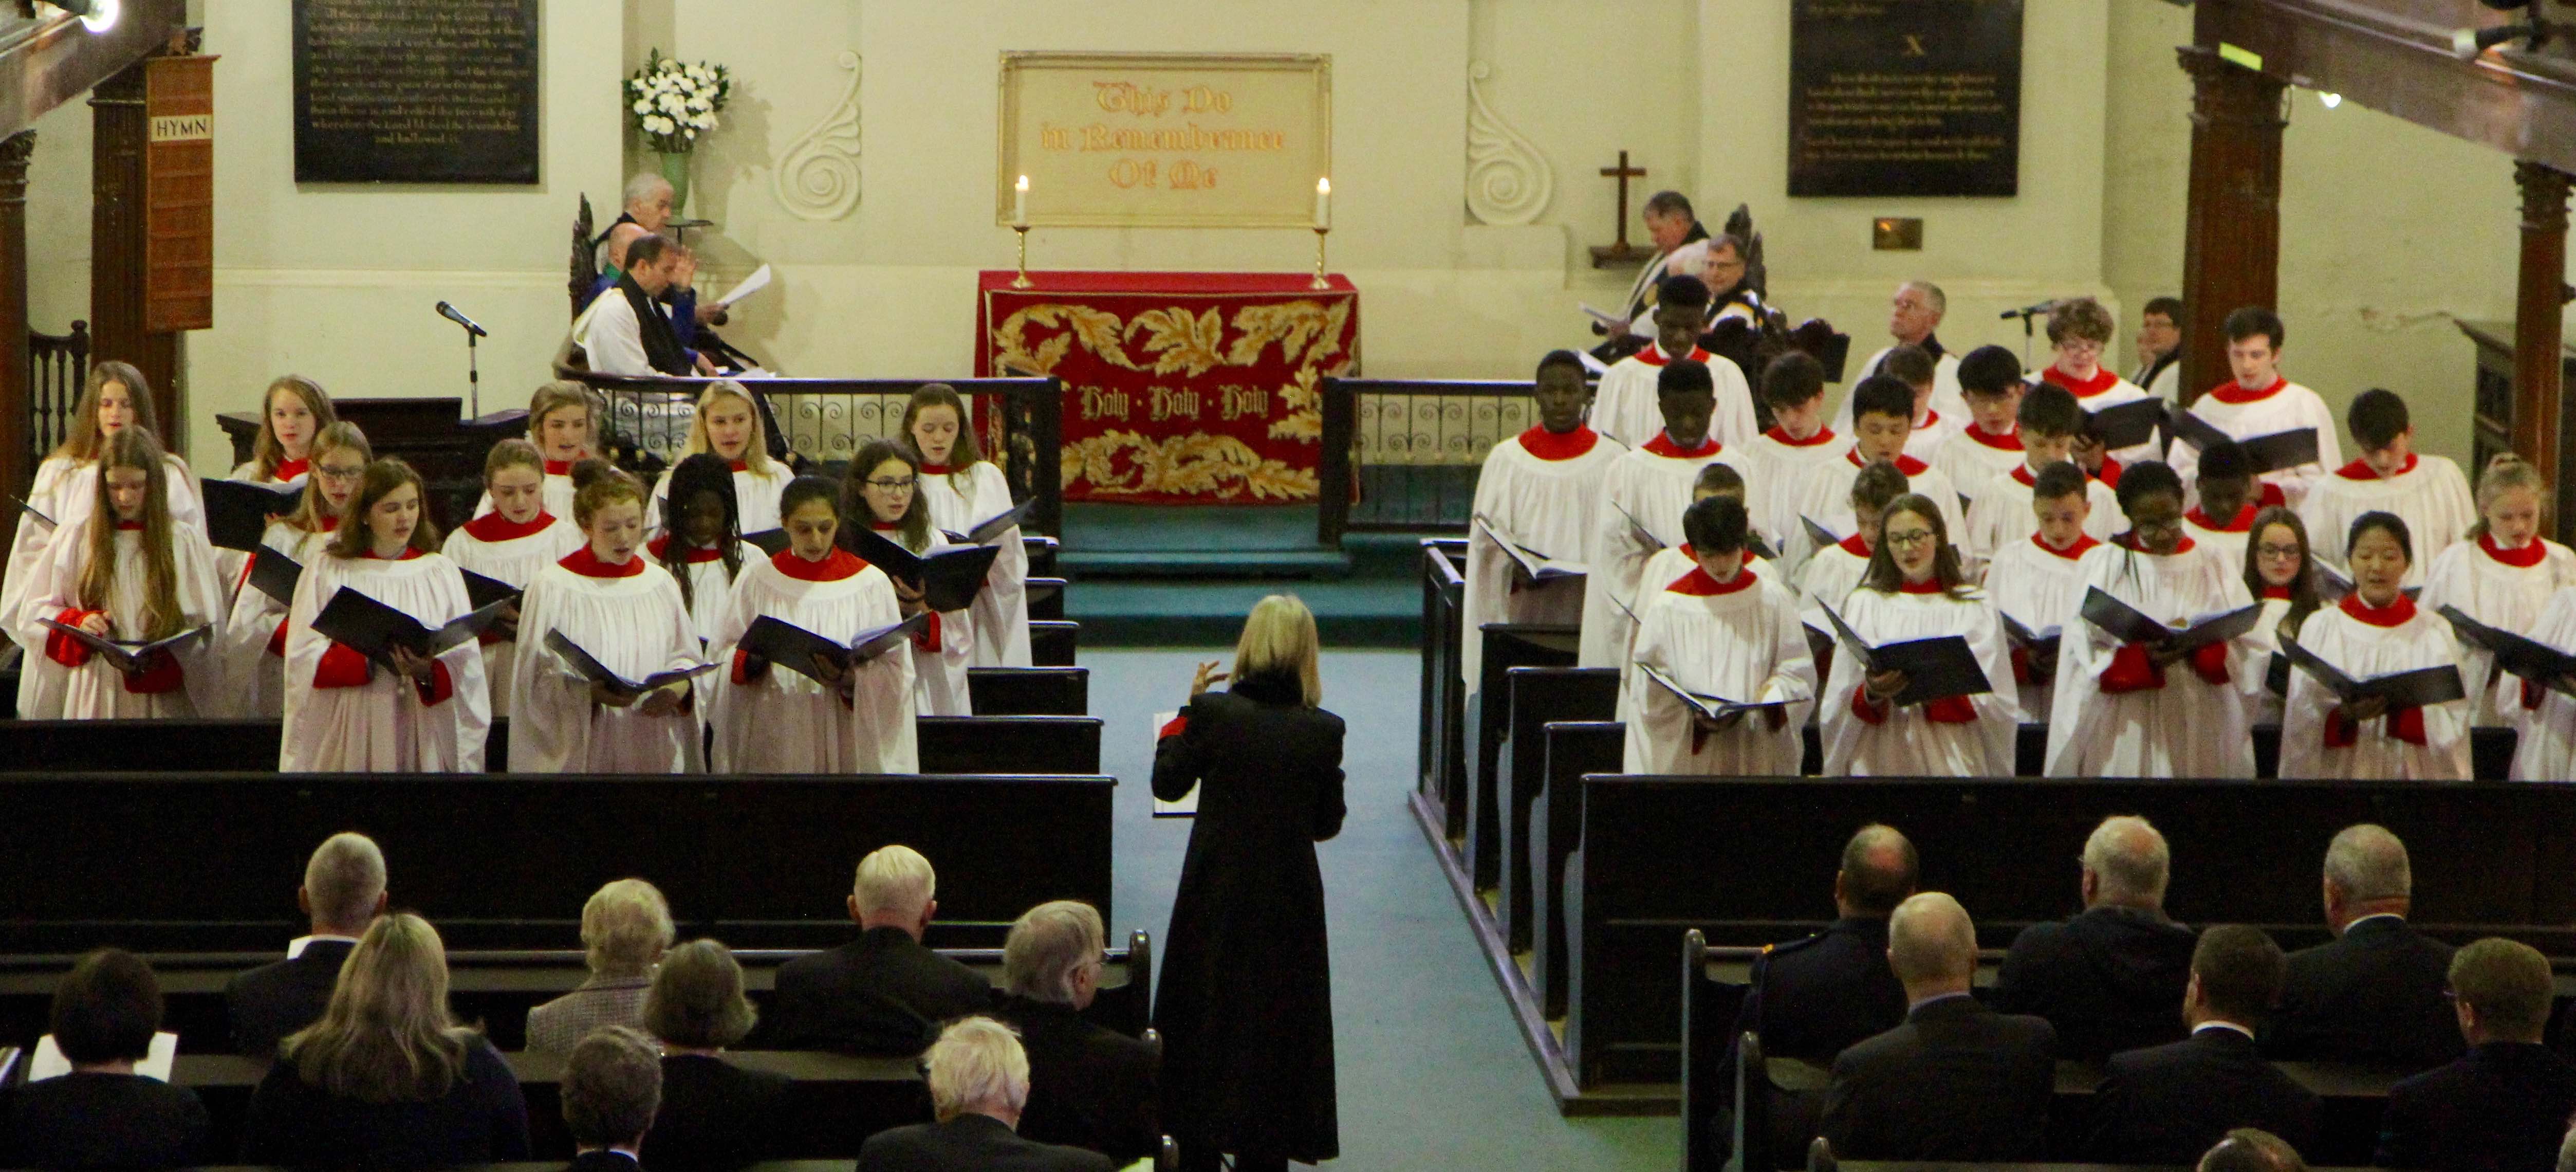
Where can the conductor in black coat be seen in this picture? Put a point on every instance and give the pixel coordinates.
(2169, 1104)
(883, 994)
(2504, 1104)
(2110, 979)
(2374, 994)
(1246, 1006)
(344, 889)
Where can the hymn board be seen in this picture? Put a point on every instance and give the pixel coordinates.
(416, 91)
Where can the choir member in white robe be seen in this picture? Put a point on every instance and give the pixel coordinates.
(2035, 581)
(2281, 573)
(2259, 402)
(133, 575)
(1880, 435)
(254, 636)
(1999, 512)
(963, 489)
(2223, 520)
(1913, 316)
(563, 424)
(512, 544)
(2375, 631)
(701, 544)
(2079, 330)
(769, 719)
(2132, 709)
(881, 492)
(1537, 489)
(2545, 715)
(1835, 570)
(1721, 630)
(626, 613)
(1932, 426)
(1642, 498)
(1989, 442)
(1915, 591)
(1795, 451)
(2426, 492)
(1666, 566)
(281, 451)
(1624, 408)
(2502, 576)
(727, 424)
(346, 714)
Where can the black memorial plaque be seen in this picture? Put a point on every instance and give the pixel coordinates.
(416, 91)
(1904, 97)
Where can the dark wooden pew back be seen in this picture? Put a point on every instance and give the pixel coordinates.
(1441, 786)
(1538, 697)
(1489, 711)
(1053, 642)
(1029, 691)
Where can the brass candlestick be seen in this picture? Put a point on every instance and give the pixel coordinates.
(1022, 281)
(1319, 281)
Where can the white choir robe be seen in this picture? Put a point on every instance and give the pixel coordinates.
(384, 725)
(710, 584)
(1784, 467)
(784, 722)
(2505, 589)
(1741, 640)
(1970, 457)
(1649, 487)
(1828, 499)
(2262, 707)
(2227, 541)
(1930, 433)
(557, 488)
(630, 619)
(1906, 742)
(1001, 609)
(755, 497)
(2001, 514)
(1667, 566)
(2244, 414)
(2363, 643)
(1541, 487)
(939, 672)
(2102, 391)
(254, 643)
(1946, 395)
(95, 689)
(2038, 585)
(496, 547)
(229, 562)
(2191, 726)
(2430, 496)
(66, 490)
(2546, 750)
(1627, 408)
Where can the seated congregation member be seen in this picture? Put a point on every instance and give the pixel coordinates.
(2546, 717)
(2079, 330)
(2376, 630)
(2259, 402)
(343, 712)
(2375, 994)
(511, 544)
(2039, 581)
(701, 540)
(387, 1078)
(626, 612)
(103, 1114)
(1953, 1081)
(294, 413)
(2224, 518)
(2502, 575)
(2505, 1103)
(1539, 489)
(715, 1115)
(727, 425)
(612, 1087)
(2112, 978)
(1833, 572)
(1911, 366)
(625, 926)
(1883, 408)
(2136, 709)
(882, 491)
(343, 892)
(563, 424)
(979, 1080)
(254, 634)
(1719, 630)
(883, 993)
(2281, 573)
(1815, 997)
(2168, 1104)
(133, 574)
(627, 330)
(2252, 1149)
(769, 719)
(1988, 442)
(2047, 423)
(2427, 492)
(963, 489)
(1639, 511)
(1915, 590)
(1797, 448)
(1089, 1086)
(1625, 408)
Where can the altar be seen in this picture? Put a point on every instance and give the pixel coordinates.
(1179, 388)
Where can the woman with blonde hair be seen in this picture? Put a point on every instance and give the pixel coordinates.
(563, 422)
(625, 928)
(254, 637)
(511, 545)
(964, 489)
(387, 1078)
(1246, 1007)
(295, 411)
(728, 424)
(134, 576)
(2502, 576)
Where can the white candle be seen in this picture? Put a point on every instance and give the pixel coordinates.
(1323, 204)
(1020, 203)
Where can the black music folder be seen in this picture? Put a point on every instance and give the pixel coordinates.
(374, 629)
(1936, 668)
(2131, 625)
(2529, 658)
(769, 541)
(482, 591)
(275, 574)
(995, 525)
(588, 667)
(2040, 641)
(2127, 425)
(794, 648)
(1533, 566)
(128, 656)
(237, 511)
(2405, 689)
(1817, 533)
(2267, 453)
(949, 578)
(1709, 707)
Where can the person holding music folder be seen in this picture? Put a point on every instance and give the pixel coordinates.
(392, 711)
(2079, 329)
(2546, 716)
(1835, 570)
(964, 490)
(2502, 576)
(1988, 441)
(2224, 518)
(510, 544)
(2257, 403)
(1797, 448)
(2155, 706)
(701, 540)
(1727, 636)
(2377, 631)
(827, 715)
(254, 635)
(2427, 492)
(728, 424)
(295, 411)
(130, 576)
(2036, 582)
(1669, 564)
(618, 611)
(1883, 417)
(1639, 511)
(1536, 492)
(1915, 590)
(2280, 573)
(881, 494)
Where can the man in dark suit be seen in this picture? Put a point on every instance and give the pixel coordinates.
(2374, 994)
(2505, 1103)
(882, 994)
(612, 1084)
(2110, 979)
(1089, 1086)
(2170, 1104)
(1812, 998)
(344, 889)
(1955, 1080)
(979, 1080)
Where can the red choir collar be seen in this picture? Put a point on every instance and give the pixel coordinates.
(841, 564)
(1906, 464)
(1663, 445)
(1550, 445)
(2392, 615)
(1687, 555)
(2074, 549)
(559, 467)
(587, 564)
(936, 469)
(2021, 475)
(2279, 592)
(290, 469)
(2529, 555)
(2361, 469)
(1852, 545)
(2101, 381)
(1699, 584)
(330, 524)
(739, 465)
(493, 526)
(407, 554)
(2129, 541)
(1930, 419)
(1777, 435)
(1930, 585)
(885, 526)
(2009, 441)
(129, 526)
(1653, 354)
(2244, 522)
(661, 545)
(2233, 392)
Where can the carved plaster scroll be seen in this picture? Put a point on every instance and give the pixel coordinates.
(818, 177)
(1508, 181)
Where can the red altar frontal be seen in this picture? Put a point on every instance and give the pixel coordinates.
(1179, 388)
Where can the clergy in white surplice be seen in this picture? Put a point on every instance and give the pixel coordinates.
(1723, 632)
(2035, 582)
(2375, 631)
(1537, 491)
(2426, 492)
(2503, 576)
(1624, 409)
(1642, 498)
(1794, 452)
(2259, 402)
(1914, 590)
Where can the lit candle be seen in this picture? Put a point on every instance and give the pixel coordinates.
(1020, 203)
(1323, 204)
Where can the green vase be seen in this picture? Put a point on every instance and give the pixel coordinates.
(675, 170)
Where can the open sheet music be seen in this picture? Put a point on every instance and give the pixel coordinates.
(2405, 689)
(583, 665)
(2267, 453)
(1936, 668)
(374, 629)
(2530, 659)
(994, 526)
(237, 511)
(1707, 707)
(795, 648)
(1532, 565)
(2128, 624)
(2038, 641)
(131, 657)
(2127, 425)
(949, 579)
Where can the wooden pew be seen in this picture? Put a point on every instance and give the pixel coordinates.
(1440, 790)
(1538, 697)
(1574, 749)
(1507, 646)
(1029, 691)
(1019, 744)
(1052, 642)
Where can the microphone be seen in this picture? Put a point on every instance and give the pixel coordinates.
(2027, 310)
(450, 313)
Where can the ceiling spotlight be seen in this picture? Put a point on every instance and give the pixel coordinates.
(2331, 100)
(97, 16)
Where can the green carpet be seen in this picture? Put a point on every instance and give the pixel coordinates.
(1369, 597)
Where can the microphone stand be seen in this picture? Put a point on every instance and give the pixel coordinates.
(474, 379)
(2026, 315)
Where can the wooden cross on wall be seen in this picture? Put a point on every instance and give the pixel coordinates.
(1621, 252)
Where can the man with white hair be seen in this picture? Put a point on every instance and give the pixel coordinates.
(1089, 1086)
(344, 890)
(625, 928)
(883, 994)
(1913, 314)
(2112, 978)
(2374, 994)
(979, 1080)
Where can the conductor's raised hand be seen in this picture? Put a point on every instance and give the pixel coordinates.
(1207, 675)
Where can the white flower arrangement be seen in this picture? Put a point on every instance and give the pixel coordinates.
(671, 103)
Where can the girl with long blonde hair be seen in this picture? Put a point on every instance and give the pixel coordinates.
(295, 413)
(728, 425)
(563, 424)
(963, 488)
(512, 543)
(255, 635)
(133, 576)
(2502, 575)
